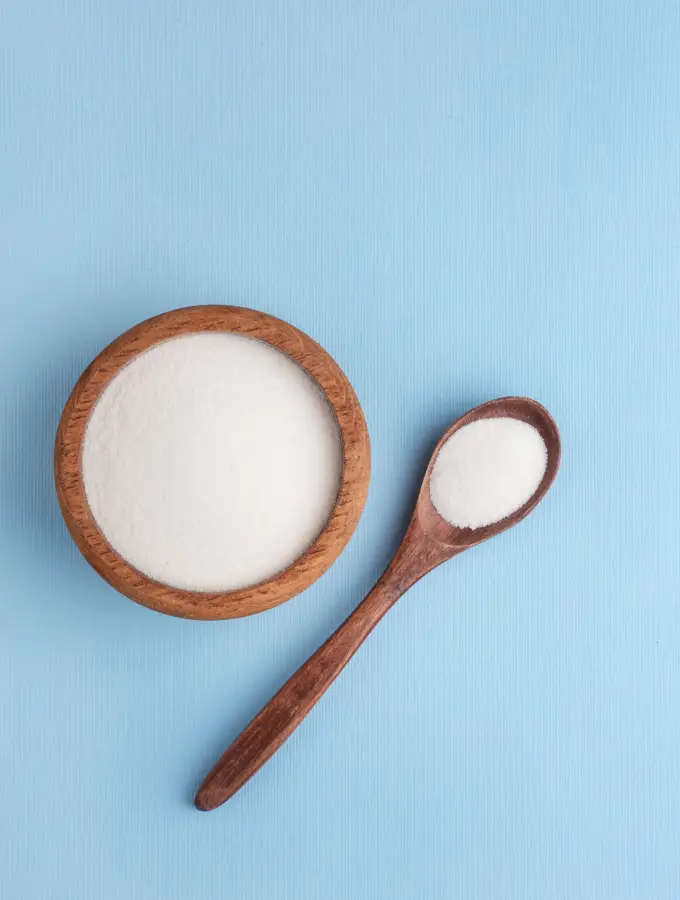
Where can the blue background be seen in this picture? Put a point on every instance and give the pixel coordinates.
(459, 201)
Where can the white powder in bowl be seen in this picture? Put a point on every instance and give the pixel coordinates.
(211, 462)
(487, 470)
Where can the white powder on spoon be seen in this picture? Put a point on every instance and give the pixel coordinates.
(211, 462)
(486, 470)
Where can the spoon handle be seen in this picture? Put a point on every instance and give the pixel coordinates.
(276, 721)
(284, 712)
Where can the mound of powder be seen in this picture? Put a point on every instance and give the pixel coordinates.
(487, 470)
(211, 462)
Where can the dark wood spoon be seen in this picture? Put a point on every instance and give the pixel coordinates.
(429, 541)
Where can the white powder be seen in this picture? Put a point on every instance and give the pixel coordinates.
(211, 462)
(487, 470)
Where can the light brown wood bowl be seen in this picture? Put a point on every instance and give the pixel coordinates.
(312, 563)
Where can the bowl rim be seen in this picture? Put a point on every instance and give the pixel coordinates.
(342, 521)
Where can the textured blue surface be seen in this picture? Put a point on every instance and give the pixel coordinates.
(459, 201)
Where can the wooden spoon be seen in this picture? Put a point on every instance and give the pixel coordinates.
(429, 541)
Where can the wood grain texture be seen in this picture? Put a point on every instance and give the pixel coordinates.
(311, 564)
(429, 541)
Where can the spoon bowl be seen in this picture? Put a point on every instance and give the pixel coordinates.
(521, 408)
(429, 541)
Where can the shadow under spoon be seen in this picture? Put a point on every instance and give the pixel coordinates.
(429, 541)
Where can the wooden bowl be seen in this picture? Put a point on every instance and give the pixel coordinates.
(313, 562)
